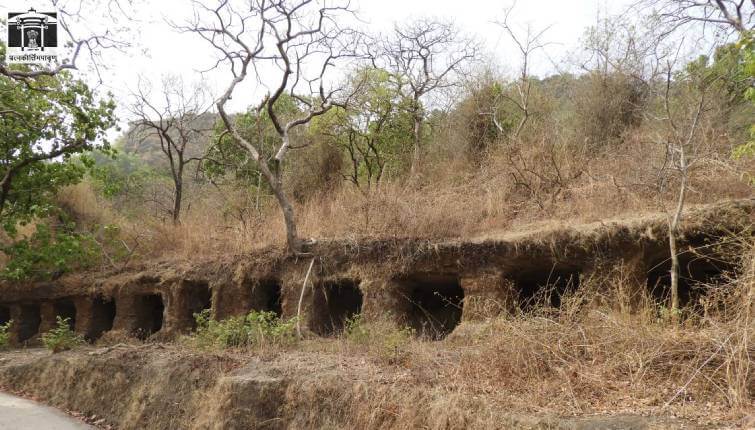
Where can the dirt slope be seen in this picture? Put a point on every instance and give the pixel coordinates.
(168, 387)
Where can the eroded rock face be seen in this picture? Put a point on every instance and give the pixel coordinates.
(429, 286)
(165, 387)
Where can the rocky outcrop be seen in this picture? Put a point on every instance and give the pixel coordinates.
(429, 285)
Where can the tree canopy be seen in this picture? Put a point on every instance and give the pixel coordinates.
(45, 122)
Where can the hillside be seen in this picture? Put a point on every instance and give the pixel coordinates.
(145, 145)
(325, 215)
(555, 328)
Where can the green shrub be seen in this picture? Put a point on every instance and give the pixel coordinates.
(61, 338)
(5, 334)
(356, 330)
(49, 253)
(252, 330)
(395, 343)
(383, 337)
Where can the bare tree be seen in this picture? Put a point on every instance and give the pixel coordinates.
(424, 56)
(82, 42)
(527, 44)
(735, 14)
(683, 125)
(682, 117)
(77, 19)
(175, 118)
(300, 41)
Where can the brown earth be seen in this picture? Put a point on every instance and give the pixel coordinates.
(590, 361)
(170, 387)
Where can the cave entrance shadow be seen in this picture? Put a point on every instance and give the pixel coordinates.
(66, 309)
(30, 319)
(198, 299)
(697, 274)
(103, 317)
(4, 315)
(149, 310)
(435, 304)
(266, 296)
(334, 303)
(545, 286)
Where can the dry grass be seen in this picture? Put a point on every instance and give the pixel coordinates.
(602, 361)
(549, 175)
(603, 351)
(449, 201)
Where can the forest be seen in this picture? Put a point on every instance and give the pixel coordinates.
(307, 137)
(411, 133)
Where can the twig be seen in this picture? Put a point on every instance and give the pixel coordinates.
(301, 298)
(684, 387)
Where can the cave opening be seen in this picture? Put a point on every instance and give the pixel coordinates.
(65, 309)
(697, 274)
(545, 286)
(334, 303)
(149, 311)
(30, 318)
(266, 296)
(103, 316)
(4, 315)
(199, 298)
(436, 304)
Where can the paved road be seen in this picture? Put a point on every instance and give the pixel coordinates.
(22, 414)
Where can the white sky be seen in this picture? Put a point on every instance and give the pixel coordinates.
(160, 50)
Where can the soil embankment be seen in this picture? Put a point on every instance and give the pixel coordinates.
(598, 351)
(168, 387)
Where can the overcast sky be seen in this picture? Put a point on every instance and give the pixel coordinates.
(161, 50)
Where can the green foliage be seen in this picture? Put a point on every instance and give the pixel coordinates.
(375, 131)
(44, 124)
(726, 71)
(62, 337)
(666, 315)
(226, 158)
(126, 180)
(356, 331)
(747, 48)
(383, 338)
(31, 194)
(49, 253)
(253, 330)
(120, 174)
(5, 334)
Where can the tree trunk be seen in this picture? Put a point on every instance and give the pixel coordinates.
(273, 179)
(522, 122)
(178, 192)
(292, 236)
(257, 194)
(416, 159)
(5, 189)
(177, 203)
(672, 232)
(674, 271)
(750, 293)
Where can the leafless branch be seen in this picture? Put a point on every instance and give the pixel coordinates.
(81, 40)
(175, 117)
(424, 56)
(302, 40)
